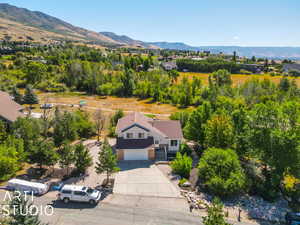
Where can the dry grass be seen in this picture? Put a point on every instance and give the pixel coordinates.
(109, 104)
(236, 78)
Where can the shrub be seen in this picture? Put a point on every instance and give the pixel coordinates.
(182, 181)
(85, 127)
(182, 165)
(290, 187)
(220, 172)
(215, 216)
(185, 149)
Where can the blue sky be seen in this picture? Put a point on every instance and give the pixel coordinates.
(195, 22)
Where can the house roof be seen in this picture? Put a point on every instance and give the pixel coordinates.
(166, 128)
(134, 143)
(9, 109)
(137, 119)
(171, 128)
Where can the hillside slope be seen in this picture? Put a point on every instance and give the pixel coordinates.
(127, 40)
(23, 24)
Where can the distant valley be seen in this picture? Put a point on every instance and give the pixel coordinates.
(19, 24)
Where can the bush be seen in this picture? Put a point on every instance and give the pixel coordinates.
(221, 173)
(8, 167)
(215, 216)
(182, 165)
(85, 127)
(185, 149)
(182, 181)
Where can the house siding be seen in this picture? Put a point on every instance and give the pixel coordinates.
(135, 131)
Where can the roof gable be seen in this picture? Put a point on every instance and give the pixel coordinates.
(135, 125)
(165, 128)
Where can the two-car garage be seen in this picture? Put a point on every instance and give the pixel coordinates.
(135, 149)
(136, 154)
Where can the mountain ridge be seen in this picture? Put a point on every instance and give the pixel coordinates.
(263, 52)
(21, 24)
(127, 40)
(41, 22)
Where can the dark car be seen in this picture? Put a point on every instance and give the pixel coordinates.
(292, 218)
(46, 106)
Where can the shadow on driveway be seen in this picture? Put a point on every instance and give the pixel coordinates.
(134, 164)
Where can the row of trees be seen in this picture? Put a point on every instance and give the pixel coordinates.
(208, 65)
(45, 142)
(248, 138)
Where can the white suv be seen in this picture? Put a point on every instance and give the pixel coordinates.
(79, 194)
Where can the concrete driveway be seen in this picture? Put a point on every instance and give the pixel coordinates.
(143, 178)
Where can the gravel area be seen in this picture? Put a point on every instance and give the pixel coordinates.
(252, 207)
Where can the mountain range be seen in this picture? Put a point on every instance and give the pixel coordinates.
(20, 24)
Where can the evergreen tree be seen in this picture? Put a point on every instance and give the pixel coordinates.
(18, 97)
(66, 156)
(107, 160)
(284, 84)
(43, 153)
(64, 127)
(83, 159)
(30, 97)
(234, 56)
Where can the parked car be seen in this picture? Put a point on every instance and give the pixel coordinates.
(57, 186)
(46, 106)
(292, 218)
(79, 194)
(28, 186)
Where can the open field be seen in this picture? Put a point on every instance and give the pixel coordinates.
(237, 78)
(109, 104)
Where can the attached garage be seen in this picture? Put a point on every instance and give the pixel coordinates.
(135, 149)
(136, 154)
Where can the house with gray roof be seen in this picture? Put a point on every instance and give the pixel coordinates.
(10, 111)
(140, 137)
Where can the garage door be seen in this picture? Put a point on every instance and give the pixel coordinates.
(136, 154)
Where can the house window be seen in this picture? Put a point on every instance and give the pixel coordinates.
(156, 142)
(141, 135)
(129, 135)
(174, 142)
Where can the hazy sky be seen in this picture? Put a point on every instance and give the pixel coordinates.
(195, 22)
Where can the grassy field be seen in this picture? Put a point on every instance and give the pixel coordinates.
(109, 104)
(236, 78)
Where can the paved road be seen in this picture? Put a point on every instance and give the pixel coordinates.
(123, 210)
(143, 178)
(120, 210)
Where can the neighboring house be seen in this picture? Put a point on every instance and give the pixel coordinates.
(288, 67)
(169, 65)
(142, 138)
(254, 68)
(9, 109)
